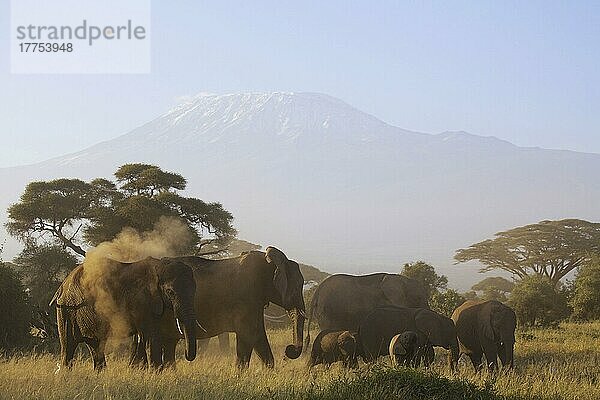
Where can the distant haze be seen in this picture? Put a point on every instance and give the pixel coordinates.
(338, 188)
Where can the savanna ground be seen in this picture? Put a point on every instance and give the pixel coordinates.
(561, 363)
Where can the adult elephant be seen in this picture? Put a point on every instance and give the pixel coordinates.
(486, 328)
(342, 301)
(104, 298)
(382, 324)
(232, 294)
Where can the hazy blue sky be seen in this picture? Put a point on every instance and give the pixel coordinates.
(527, 72)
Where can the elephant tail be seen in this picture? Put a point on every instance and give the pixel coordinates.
(307, 338)
(309, 317)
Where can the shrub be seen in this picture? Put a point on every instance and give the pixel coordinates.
(42, 269)
(585, 299)
(15, 311)
(446, 302)
(537, 302)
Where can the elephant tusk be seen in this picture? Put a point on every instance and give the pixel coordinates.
(178, 326)
(200, 326)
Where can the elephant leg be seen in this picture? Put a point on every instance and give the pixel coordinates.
(97, 352)
(492, 360)
(418, 357)
(169, 352)
(491, 355)
(67, 350)
(224, 343)
(501, 350)
(68, 344)
(243, 350)
(263, 349)
(138, 356)
(155, 352)
(68, 353)
(476, 360)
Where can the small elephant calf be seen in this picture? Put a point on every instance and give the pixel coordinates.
(331, 346)
(403, 348)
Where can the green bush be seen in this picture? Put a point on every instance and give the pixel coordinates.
(585, 295)
(537, 302)
(446, 302)
(42, 269)
(15, 310)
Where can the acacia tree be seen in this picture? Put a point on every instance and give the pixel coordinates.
(79, 214)
(550, 248)
(52, 208)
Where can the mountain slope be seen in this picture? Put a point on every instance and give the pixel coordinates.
(338, 188)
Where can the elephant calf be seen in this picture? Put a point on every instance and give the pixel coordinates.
(331, 346)
(403, 348)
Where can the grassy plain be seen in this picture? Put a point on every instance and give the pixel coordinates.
(561, 363)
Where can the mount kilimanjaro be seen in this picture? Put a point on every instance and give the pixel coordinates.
(338, 188)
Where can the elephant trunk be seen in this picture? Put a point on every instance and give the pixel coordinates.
(294, 350)
(189, 333)
(188, 322)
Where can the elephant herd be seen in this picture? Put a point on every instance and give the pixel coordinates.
(157, 302)
(384, 314)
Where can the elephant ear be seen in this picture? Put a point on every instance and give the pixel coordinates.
(70, 294)
(280, 279)
(157, 297)
(428, 323)
(393, 289)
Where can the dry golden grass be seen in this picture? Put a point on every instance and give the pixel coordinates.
(550, 364)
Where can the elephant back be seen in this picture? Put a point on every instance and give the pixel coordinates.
(402, 291)
(342, 301)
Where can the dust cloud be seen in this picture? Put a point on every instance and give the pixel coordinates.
(102, 269)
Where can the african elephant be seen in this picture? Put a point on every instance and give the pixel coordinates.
(331, 346)
(342, 301)
(403, 348)
(232, 294)
(107, 299)
(486, 327)
(382, 324)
